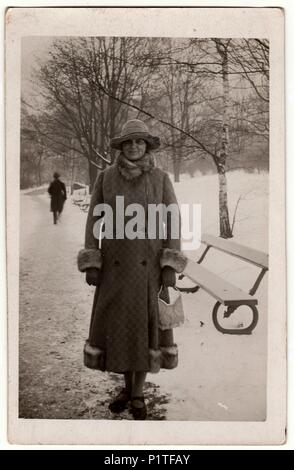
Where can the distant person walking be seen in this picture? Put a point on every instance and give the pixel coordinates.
(57, 191)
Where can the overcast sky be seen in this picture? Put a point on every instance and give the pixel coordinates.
(32, 49)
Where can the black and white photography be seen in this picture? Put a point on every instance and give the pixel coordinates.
(144, 227)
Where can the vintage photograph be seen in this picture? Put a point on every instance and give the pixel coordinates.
(144, 227)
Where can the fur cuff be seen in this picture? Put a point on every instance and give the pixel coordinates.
(169, 357)
(94, 358)
(173, 258)
(154, 360)
(89, 258)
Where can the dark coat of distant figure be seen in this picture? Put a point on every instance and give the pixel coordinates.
(57, 191)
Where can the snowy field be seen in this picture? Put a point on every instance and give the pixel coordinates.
(219, 377)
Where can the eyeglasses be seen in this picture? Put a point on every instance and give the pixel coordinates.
(134, 141)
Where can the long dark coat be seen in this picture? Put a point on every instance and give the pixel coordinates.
(124, 322)
(57, 191)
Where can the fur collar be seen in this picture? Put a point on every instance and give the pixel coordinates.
(132, 170)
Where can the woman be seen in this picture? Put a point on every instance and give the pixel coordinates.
(129, 273)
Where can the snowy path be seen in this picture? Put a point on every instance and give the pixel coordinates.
(55, 306)
(219, 377)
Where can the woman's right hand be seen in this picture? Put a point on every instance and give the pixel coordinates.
(93, 276)
(168, 277)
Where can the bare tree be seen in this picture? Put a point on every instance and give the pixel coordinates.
(208, 96)
(222, 154)
(76, 108)
(32, 149)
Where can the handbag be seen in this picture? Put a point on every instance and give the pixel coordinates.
(171, 314)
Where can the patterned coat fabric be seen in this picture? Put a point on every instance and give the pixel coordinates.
(124, 323)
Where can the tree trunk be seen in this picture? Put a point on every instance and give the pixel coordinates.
(175, 157)
(92, 176)
(40, 169)
(176, 168)
(174, 152)
(73, 169)
(39, 176)
(224, 220)
(112, 129)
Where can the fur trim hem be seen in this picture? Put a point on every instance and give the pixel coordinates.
(173, 258)
(166, 357)
(154, 360)
(169, 356)
(89, 258)
(94, 358)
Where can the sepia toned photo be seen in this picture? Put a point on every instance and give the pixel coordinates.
(145, 179)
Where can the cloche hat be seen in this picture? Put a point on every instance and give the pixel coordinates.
(135, 129)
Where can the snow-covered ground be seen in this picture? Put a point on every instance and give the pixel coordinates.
(219, 377)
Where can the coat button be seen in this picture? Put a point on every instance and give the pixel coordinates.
(144, 262)
(116, 262)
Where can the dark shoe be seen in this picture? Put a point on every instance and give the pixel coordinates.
(138, 408)
(120, 402)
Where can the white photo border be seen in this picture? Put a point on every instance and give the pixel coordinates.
(188, 22)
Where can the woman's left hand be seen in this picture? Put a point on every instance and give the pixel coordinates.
(168, 277)
(93, 276)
